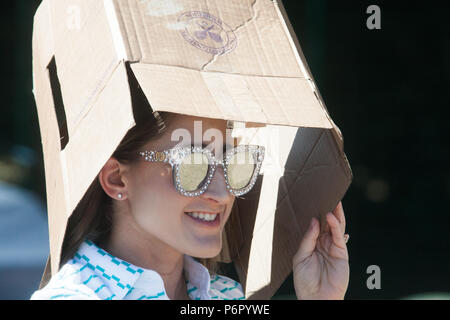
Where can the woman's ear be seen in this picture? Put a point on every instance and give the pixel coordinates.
(111, 179)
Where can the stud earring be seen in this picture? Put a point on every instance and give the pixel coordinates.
(119, 196)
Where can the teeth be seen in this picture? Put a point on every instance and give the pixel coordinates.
(202, 216)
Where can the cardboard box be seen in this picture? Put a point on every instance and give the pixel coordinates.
(237, 60)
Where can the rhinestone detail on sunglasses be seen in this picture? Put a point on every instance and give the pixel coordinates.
(175, 156)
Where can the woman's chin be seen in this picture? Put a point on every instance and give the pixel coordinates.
(207, 253)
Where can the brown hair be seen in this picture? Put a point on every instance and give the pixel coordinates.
(92, 218)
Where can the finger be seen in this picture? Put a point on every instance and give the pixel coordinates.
(336, 233)
(324, 228)
(339, 214)
(308, 243)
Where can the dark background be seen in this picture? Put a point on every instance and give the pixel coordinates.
(386, 89)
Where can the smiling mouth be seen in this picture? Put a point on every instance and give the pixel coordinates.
(211, 219)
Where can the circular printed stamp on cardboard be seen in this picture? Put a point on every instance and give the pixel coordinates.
(207, 32)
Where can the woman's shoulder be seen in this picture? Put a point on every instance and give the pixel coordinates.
(66, 284)
(225, 288)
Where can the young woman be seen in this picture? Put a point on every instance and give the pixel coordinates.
(146, 229)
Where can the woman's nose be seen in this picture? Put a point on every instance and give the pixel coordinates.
(217, 189)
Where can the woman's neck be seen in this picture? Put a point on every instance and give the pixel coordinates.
(149, 253)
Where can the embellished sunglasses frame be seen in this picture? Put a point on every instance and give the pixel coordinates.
(176, 155)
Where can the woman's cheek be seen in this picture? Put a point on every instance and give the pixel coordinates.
(158, 202)
(229, 209)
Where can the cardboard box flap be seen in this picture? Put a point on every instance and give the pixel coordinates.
(85, 54)
(42, 57)
(298, 161)
(272, 100)
(57, 71)
(114, 107)
(236, 36)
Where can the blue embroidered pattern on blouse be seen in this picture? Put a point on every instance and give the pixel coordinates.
(93, 273)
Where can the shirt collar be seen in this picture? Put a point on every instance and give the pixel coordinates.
(197, 279)
(122, 276)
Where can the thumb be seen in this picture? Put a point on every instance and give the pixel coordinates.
(308, 243)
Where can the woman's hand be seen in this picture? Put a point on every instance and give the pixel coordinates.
(320, 266)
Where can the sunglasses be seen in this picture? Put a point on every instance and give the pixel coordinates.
(193, 167)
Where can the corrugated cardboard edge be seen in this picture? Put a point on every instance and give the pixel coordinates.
(45, 45)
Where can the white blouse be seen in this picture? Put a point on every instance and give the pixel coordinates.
(93, 273)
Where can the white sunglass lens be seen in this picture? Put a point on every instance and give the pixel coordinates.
(193, 171)
(241, 167)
